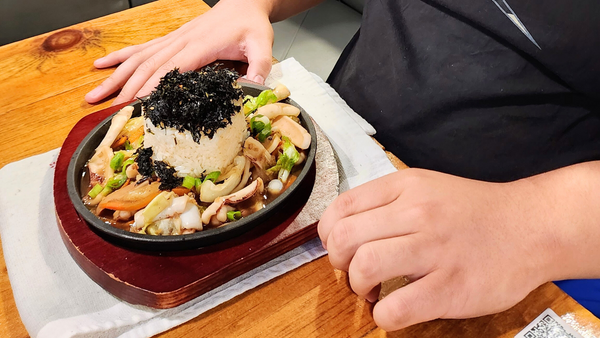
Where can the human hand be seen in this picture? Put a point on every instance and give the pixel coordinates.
(232, 30)
(470, 248)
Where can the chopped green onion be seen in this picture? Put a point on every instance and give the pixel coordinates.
(286, 160)
(117, 161)
(128, 162)
(95, 191)
(116, 181)
(265, 97)
(261, 126)
(234, 215)
(107, 190)
(128, 145)
(189, 182)
(266, 132)
(249, 104)
(212, 176)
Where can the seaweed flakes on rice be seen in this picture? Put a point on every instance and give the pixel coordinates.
(194, 121)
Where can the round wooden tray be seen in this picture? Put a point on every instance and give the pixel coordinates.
(168, 279)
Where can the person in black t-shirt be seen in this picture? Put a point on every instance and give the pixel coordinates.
(496, 102)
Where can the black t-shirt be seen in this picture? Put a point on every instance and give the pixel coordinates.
(487, 89)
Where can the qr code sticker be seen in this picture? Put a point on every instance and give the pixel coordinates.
(548, 325)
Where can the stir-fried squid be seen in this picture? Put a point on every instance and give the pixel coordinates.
(127, 184)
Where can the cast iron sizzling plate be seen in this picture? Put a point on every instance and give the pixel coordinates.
(180, 242)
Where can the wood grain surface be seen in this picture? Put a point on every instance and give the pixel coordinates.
(42, 84)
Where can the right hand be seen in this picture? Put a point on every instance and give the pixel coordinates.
(232, 30)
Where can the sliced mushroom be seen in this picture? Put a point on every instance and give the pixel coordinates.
(209, 191)
(242, 195)
(281, 91)
(294, 131)
(257, 153)
(274, 110)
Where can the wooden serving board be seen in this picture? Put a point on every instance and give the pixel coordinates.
(168, 279)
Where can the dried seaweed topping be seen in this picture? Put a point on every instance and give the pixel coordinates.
(200, 102)
(166, 173)
(144, 161)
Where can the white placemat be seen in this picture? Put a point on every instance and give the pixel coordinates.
(55, 298)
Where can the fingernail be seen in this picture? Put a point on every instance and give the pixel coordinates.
(259, 79)
(95, 92)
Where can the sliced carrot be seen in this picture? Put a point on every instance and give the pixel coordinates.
(119, 142)
(180, 191)
(131, 197)
(289, 182)
(135, 134)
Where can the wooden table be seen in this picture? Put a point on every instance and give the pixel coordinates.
(42, 84)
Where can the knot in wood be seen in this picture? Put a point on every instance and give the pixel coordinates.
(62, 40)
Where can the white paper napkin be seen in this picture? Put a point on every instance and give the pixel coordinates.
(55, 298)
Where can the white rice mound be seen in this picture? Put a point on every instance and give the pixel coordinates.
(180, 151)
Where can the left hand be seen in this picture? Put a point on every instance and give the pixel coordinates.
(470, 248)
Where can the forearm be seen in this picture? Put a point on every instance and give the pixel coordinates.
(565, 209)
(278, 10)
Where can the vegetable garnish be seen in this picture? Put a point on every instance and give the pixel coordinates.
(116, 181)
(253, 103)
(266, 132)
(234, 215)
(128, 145)
(137, 143)
(286, 160)
(158, 204)
(261, 127)
(212, 176)
(128, 162)
(189, 182)
(257, 123)
(95, 191)
(117, 161)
